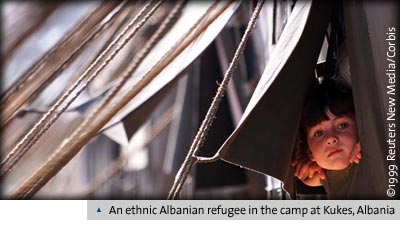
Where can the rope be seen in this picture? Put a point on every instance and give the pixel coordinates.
(39, 64)
(210, 116)
(164, 27)
(155, 38)
(45, 123)
(119, 20)
(71, 146)
(30, 75)
(117, 25)
(105, 175)
(40, 17)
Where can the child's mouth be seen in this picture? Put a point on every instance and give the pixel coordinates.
(336, 151)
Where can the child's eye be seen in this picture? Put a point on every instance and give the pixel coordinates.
(342, 126)
(318, 133)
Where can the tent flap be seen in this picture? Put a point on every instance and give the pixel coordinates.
(265, 137)
(367, 25)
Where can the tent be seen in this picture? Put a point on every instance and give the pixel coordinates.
(264, 140)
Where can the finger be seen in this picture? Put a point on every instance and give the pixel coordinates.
(299, 166)
(310, 169)
(297, 170)
(303, 173)
(358, 147)
(314, 168)
(315, 173)
(294, 162)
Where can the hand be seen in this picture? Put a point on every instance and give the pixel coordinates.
(306, 169)
(356, 154)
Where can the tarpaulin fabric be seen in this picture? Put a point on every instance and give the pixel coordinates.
(265, 137)
(368, 28)
(137, 111)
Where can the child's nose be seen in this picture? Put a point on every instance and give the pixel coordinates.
(332, 139)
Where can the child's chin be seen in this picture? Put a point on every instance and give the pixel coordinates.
(337, 166)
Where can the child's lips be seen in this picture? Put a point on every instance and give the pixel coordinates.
(335, 151)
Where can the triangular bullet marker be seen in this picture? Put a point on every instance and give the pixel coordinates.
(98, 210)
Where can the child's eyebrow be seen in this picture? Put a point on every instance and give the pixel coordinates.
(344, 117)
(314, 128)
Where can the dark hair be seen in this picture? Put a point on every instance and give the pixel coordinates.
(334, 96)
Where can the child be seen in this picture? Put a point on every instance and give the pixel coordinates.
(328, 139)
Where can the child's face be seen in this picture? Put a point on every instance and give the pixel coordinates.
(332, 141)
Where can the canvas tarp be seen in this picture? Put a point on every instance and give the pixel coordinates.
(265, 137)
(138, 110)
(367, 25)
